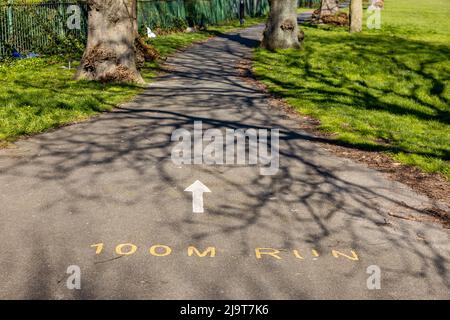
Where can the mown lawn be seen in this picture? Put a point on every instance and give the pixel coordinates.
(38, 94)
(383, 90)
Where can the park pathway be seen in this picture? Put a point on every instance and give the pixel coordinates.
(105, 195)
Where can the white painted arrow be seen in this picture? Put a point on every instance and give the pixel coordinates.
(197, 189)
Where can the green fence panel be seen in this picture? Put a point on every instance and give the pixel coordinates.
(161, 14)
(31, 25)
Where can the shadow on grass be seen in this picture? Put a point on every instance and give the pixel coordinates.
(39, 95)
(369, 87)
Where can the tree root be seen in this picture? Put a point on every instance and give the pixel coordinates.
(102, 64)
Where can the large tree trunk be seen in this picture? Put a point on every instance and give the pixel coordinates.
(281, 28)
(110, 54)
(356, 15)
(328, 7)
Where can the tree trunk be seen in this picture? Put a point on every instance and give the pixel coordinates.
(328, 7)
(282, 31)
(356, 16)
(110, 54)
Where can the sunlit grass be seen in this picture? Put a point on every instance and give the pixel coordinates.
(385, 90)
(38, 94)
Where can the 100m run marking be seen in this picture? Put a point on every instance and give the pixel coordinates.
(161, 250)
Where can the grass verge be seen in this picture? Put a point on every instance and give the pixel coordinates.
(382, 90)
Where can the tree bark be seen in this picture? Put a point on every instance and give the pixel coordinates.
(110, 54)
(328, 7)
(282, 31)
(356, 16)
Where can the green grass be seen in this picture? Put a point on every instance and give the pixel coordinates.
(39, 94)
(383, 90)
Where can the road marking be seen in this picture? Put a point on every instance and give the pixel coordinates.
(273, 252)
(197, 189)
(132, 249)
(261, 253)
(336, 254)
(154, 250)
(99, 247)
(297, 254)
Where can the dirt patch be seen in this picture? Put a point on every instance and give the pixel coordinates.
(435, 186)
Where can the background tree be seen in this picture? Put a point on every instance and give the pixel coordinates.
(356, 15)
(113, 45)
(281, 28)
(328, 7)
